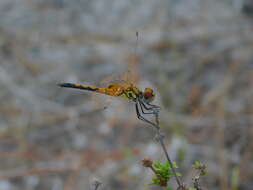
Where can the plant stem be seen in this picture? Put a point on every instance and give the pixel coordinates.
(160, 139)
(96, 184)
(168, 158)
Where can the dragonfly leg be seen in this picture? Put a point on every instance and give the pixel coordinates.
(154, 106)
(154, 110)
(149, 109)
(143, 118)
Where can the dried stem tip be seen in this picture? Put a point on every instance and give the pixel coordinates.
(146, 162)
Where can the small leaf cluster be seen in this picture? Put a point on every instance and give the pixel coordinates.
(200, 167)
(163, 172)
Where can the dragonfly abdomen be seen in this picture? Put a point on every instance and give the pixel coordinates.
(79, 86)
(112, 90)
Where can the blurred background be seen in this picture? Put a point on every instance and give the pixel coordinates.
(196, 54)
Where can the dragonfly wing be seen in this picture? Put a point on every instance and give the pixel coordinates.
(132, 74)
(101, 102)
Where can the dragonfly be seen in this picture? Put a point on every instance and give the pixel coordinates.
(129, 91)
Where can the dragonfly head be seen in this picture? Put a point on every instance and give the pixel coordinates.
(148, 95)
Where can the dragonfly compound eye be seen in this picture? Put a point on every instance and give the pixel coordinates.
(149, 94)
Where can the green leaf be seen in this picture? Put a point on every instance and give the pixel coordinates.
(191, 188)
(179, 174)
(175, 165)
(163, 173)
(204, 172)
(197, 165)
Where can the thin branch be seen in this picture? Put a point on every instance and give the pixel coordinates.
(160, 138)
(96, 184)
